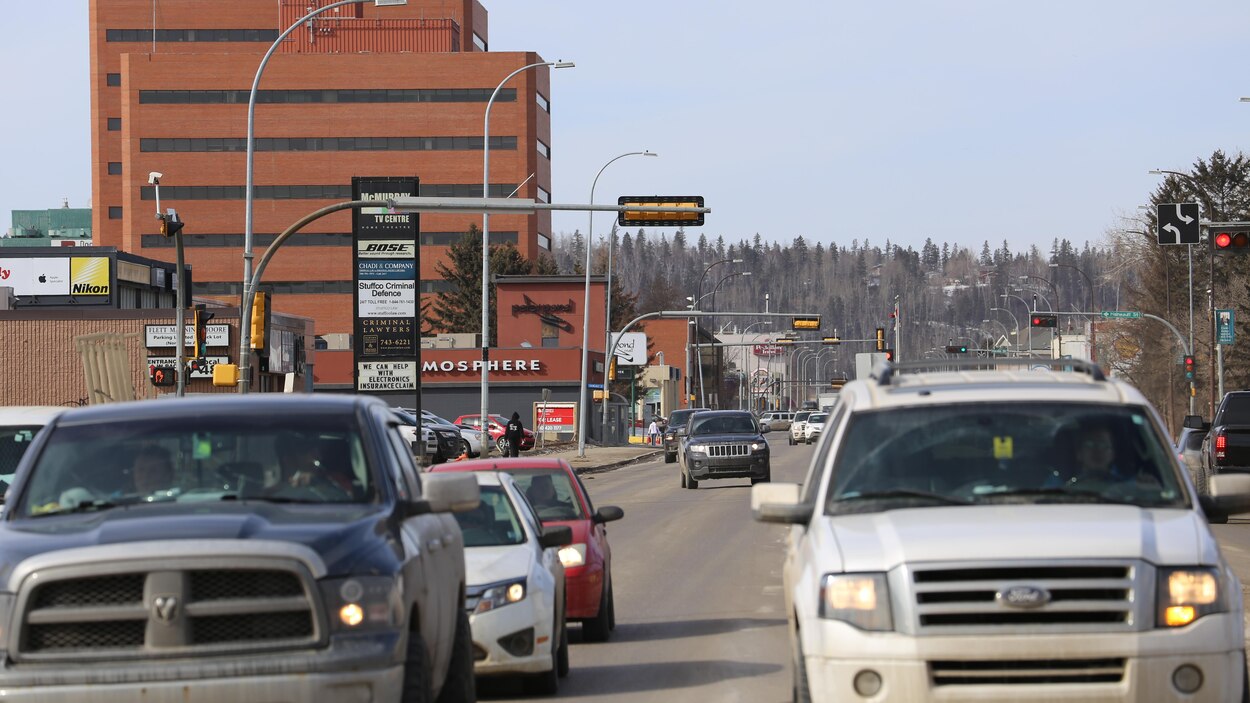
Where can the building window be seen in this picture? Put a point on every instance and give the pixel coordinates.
(115, 124)
(192, 35)
(437, 286)
(544, 242)
(543, 102)
(551, 335)
(353, 97)
(113, 80)
(479, 42)
(239, 144)
(543, 195)
(115, 212)
(115, 168)
(543, 150)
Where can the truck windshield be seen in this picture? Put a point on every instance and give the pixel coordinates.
(982, 453)
(304, 458)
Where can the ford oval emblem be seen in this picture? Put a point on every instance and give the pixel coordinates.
(1023, 597)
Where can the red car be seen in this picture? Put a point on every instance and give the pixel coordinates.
(496, 429)
(559, 498)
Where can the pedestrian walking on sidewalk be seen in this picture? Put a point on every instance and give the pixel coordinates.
(514, 433)
(653, 433)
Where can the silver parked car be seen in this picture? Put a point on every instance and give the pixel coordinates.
(775, 420)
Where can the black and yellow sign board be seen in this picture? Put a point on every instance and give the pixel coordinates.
(637, 218)
(806, 323)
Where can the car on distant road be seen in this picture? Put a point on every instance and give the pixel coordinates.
(562, 500)
(724, 444)
(263, 547)
(775, 420)
(496, 428)
(814, 425)
(18, 426)
(1189, 446)
(796, 426)
(676, 431)
(1005, 534)
(515, 595)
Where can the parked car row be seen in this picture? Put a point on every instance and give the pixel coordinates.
(496, 427)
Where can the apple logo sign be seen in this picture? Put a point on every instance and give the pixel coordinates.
(43, 278)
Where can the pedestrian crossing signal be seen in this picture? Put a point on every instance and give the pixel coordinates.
(161, 375)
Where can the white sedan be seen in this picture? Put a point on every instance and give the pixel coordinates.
(515, 597)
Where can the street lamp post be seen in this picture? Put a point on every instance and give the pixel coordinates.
(607, 320)
(1014, 321)
(1026, 307)
(1190, 247)
(695, 339)
(744, 354)
(1006, 332)
(726, 277)
(485, 416)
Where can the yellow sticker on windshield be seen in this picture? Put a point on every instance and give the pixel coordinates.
(1002, 448)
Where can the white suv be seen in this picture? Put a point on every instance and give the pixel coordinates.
(796, 425)
(1005, 534)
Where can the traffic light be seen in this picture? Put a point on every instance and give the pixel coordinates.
(161, 376)
(202, 317)
(806, 323)
(889, 355)
(1236, 242)
(1044, 320)
(831, 340)
(1189, 366)
(612, 369)
(880, 338)
(956, 349)
(260, 311)
(170, 224)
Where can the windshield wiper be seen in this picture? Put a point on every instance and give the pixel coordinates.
(900, 493)
(1076, 495)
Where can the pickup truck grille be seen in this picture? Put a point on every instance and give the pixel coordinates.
(176, 612)
(728, 450)
(1087, 597)
(1026, 673)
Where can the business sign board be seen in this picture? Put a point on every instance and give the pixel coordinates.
(631, 348)
(386, 262)
(203, 371)
(555, 417)
(89, 275)
(1225, 320)
(769, 350)
(163, 335)
(383, 376)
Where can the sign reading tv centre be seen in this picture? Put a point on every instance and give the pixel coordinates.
(385, 263)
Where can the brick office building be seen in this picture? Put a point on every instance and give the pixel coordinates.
(363, 91)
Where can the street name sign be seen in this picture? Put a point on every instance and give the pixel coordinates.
(1120, 314)
(1178, 223)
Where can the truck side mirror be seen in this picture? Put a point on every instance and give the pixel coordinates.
(1195, 422)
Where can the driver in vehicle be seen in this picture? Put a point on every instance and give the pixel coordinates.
(152, 471)
(322, 465)
(542, 494)
(1095, 461)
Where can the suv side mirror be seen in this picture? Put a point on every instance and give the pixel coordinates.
(608, 513)
(1195, 422)
(555, 536)
(455, 492)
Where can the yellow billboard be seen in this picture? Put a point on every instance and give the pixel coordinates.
(89, 275)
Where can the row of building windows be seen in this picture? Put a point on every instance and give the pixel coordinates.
(305, 287)
(191, 35)
(316, 239)
(239, 144)
(380, 95)
(333, 191)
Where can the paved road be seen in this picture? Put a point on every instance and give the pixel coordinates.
(698, 592)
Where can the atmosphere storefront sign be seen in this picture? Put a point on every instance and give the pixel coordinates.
(520, 366)
(374, 376)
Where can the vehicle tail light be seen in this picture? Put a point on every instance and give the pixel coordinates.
(1221, 445)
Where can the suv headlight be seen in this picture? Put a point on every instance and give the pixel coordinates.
(362, 603)
(501, 594)
(697, 448)
(758, 446)
(1186, 594)
(862, 600)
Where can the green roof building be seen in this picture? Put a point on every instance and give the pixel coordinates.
(63, 226)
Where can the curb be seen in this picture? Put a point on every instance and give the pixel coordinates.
(616, 464)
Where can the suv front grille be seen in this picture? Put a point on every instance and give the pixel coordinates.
(728, 450)
(1027, 672)
(183, 612)
(1086, 597)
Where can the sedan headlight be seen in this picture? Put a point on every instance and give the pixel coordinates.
(573, 555)
(1185, 595)
(363, 603)
(501, 594)
(863, 600)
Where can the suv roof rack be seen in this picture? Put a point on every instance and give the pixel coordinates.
(885, 371)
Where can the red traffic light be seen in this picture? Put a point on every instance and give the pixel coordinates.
(1044, 320)
(1222, 240)
(1232, 241)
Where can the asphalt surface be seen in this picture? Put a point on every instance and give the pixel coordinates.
(699, 612)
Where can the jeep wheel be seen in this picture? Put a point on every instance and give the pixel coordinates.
(690, 482)
(460, 684)
(670, 458)
(596, 629)
(416, 670)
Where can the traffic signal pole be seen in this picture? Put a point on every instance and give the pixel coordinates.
(180, 320)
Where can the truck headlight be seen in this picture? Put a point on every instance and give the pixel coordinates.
(863, 600)
(1186, 594)
(501, 594)
(362, 603)
(573, 555)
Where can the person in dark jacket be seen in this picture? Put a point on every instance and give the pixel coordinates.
(513, 433)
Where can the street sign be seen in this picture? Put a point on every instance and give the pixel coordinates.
(1120, 315)
(1178, 223)
(595, 386)
(635, 218)
(1224, 323)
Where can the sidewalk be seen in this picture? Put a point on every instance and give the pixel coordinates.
(597, 458)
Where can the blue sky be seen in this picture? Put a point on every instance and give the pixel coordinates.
(960, 120)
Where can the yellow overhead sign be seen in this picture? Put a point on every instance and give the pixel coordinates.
(637, 218)
(806, 323)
